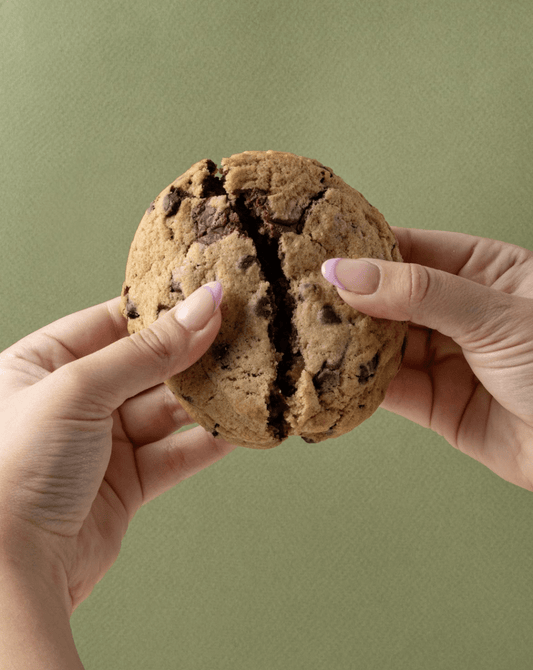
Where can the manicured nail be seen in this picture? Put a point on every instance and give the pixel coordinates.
(196, 310)
(215, 288)
(329, 270)
(357, 276)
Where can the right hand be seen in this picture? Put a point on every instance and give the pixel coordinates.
(468, 368)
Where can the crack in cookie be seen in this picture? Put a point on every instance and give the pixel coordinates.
(277, 305)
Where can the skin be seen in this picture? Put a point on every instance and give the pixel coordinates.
(468, 367)
(88, 426)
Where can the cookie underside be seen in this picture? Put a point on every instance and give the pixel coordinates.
(291, 358)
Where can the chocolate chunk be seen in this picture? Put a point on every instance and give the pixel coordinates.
(263, 308)
(151, 207)
(320, 436)
(256, 202)
(246, 261)
(212, 184)
(162, 309)
(368, 370)
(212, 224)
(329, 376)
(175, 286)
(187, 398)
(220, 352)
(323, 176)
(172, 201)
(327, 379)
(131, 309)
(328, 315)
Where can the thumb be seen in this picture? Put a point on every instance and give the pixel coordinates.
(464, 310)
(149, 357)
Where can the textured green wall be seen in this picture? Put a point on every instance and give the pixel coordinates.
(382, 549)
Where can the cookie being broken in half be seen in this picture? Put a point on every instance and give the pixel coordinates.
(291, 357)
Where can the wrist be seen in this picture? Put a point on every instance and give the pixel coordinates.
(35, 628)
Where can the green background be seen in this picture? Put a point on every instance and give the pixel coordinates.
(382, 549)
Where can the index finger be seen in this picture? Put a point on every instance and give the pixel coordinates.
(479, 259)
(83, 332)
(439, 249)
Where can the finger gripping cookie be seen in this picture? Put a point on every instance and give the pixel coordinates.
(291, 358)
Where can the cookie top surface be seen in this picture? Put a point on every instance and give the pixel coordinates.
(291, 358)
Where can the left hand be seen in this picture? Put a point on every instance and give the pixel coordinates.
(87, 433)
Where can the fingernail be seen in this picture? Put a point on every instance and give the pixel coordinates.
(196, 310)
(357, 276)
(329, 270)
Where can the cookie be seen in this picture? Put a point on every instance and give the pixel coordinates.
(291, 357)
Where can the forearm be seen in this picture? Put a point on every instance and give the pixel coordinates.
(35, 631)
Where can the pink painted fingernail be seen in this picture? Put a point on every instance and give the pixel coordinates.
(196, 310)
(329, 270)
(215, 288)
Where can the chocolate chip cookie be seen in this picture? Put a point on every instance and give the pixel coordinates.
(291, 358)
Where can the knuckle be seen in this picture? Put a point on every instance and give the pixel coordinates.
(172, 407)
(174, 458)
(155, 344)
(419, 285)
(74, 394)
(70, 381)
(71, 376)
(216, 445)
